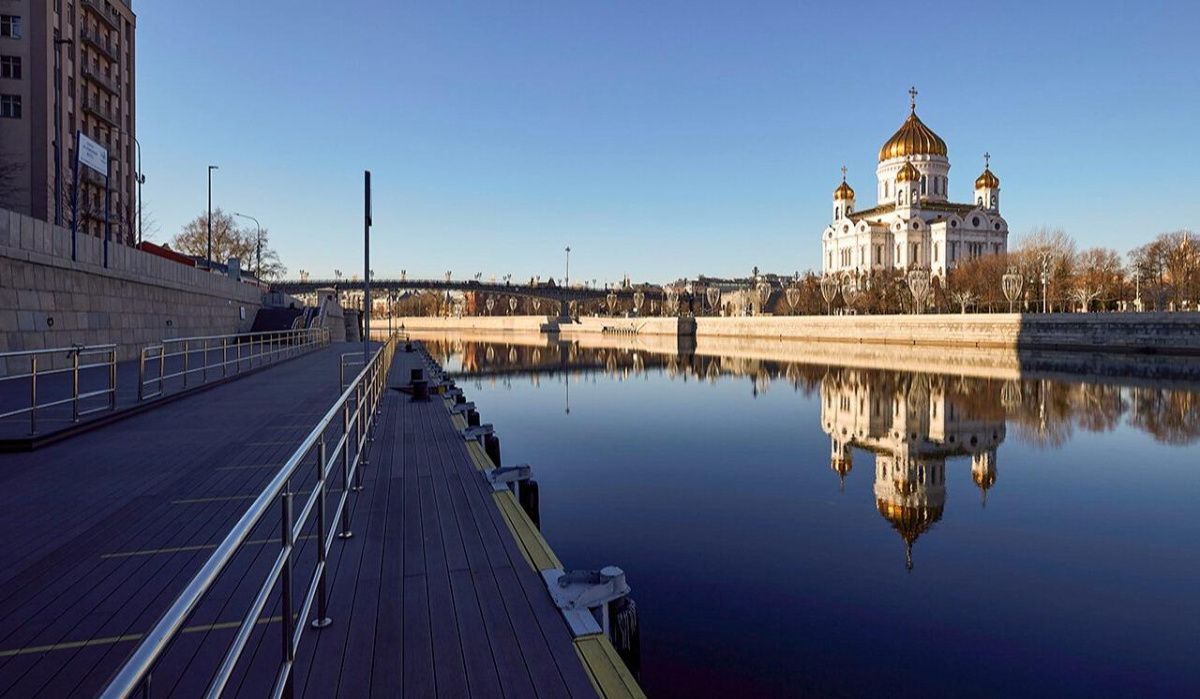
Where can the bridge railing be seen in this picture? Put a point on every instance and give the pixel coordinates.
(348, 426)
(37, 377)
(193, 359)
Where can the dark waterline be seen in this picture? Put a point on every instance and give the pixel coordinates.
(803, 529)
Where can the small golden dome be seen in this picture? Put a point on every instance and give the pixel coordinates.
(913, 138)
(908, 173)
(844, 191)
(987, 180)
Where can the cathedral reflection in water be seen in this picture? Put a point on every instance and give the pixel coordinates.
(912, 423)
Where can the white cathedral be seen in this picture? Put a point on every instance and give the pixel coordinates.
(913, 223)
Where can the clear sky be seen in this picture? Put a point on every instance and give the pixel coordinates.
(657, 139)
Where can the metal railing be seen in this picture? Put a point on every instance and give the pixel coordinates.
(348, 360)
(224, 353)
(80, 358)
(356, 407)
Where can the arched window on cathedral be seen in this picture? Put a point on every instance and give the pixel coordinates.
(980, 201)
(837, 213)
(993, 201)
(922, 184)
(885, 190)
(914, 197)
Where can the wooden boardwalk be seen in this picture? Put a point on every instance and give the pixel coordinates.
(436, 594)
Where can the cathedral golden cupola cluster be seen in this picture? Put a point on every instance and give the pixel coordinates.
(843, 192)
(913, 138)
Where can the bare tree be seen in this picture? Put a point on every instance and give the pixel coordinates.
(228, 240)
(963, 299)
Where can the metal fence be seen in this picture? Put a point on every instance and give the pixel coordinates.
(195, 359)
(348, 426)
(46, 391)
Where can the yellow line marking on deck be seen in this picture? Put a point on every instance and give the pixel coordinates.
(194, 547)
(126, 638)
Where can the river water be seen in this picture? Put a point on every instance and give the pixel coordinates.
(822, 521)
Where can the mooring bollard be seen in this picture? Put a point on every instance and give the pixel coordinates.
(460, 399)
(472, 418)
(491, 447)
(625, 634)
(408, 347)
(416, 375)
(420, 390)
(527, 497)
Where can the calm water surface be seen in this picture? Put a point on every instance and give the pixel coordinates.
(811, 529)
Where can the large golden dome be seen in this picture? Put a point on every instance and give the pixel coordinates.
(913, 138)
(844, 191)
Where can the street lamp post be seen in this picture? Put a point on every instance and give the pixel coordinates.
(257, 243)
(567, 278)
(58, 44)
(210, 169)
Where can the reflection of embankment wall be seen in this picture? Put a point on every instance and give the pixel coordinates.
(1102, 332)
(49, 300)
(481, 323)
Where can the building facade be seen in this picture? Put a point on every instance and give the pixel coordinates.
(74, 59)
(913, 223)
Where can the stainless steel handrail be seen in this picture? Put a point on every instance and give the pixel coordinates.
(75, 355)
(346, 361)
(357, 406)
(260, 346)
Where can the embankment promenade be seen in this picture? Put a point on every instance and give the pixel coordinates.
(1164, 333)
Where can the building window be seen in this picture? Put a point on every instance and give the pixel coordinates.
(10, 26)
(922, 184)
(10, 106)
(878, 254)
(10, 67)
(935, 252)
(979, 201)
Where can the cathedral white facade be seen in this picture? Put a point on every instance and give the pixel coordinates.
(913, 223)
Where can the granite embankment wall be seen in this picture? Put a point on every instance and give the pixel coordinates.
(1100, 332)
(48, 300)
(1168, 333)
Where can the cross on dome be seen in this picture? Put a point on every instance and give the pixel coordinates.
(912, 98)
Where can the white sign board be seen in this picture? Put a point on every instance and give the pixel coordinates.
(93, 154)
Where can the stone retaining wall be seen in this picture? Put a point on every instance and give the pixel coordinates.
(48, 300)
(1106, 332)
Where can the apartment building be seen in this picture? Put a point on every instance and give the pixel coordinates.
(73, 59)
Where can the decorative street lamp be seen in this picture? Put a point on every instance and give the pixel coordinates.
(611, 300)
(792, 296)
(918, 285)
(1012, 283)
(638, 298)
(490, 303)
(512, 305)
(829, 289)
(764, 295)
(670, 301)
(1046, 258)
(850, 291)
(713, 294)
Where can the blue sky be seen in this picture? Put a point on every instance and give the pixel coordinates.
(657, 139)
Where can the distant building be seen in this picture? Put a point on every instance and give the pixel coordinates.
(913, 223)
(97, 96)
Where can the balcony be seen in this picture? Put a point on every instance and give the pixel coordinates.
(98, 110)
(95, 41)
(101, 79)
(109, 17)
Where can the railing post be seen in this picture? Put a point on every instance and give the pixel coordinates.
(285, 584)
(322, 619)
(112, 379)
(185, 362)
(238, 346)
(346, 533)
(205, 360)
(142, 375)
(75, 385)
(33, 394)
(224, 356)
(361, 432)
(162, 368)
